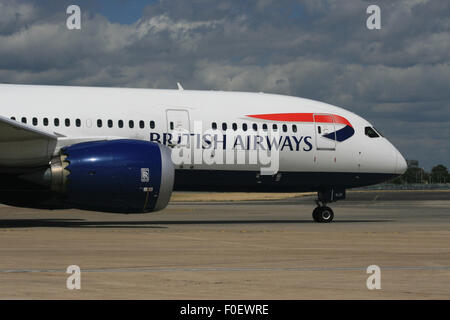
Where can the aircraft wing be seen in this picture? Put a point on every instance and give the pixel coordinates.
(24, 146)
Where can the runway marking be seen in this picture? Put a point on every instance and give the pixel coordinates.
(221, 269)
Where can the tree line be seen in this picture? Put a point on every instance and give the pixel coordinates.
(439, 174)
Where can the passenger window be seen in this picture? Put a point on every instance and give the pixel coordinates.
(35, 121)
(99, 123)
(264, 126)
(152, 124)
(244, 126)
(284, 128)
(120, 123)
(214, 126)
(56, 122)
(24, 120)
(45, 120)
(275, 127)
(294, 128)
(13, 118)
(67, 122)
(255, 127)
(110, 123)
(370, 132)
(171, 125)
(131, 124)
(78, 122)
(224, 126)
(141, 124)
(234, 126)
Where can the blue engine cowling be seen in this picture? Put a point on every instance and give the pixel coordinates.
(123, 176)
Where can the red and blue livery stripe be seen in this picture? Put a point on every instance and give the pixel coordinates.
(340, 135)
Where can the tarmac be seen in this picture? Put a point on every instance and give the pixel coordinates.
(224, 249)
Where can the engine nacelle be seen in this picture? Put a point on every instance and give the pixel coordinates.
(124, 176)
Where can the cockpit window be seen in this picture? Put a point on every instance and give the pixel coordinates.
(379, 132)
(371, 133)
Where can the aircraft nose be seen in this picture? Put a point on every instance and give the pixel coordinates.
(401, 165)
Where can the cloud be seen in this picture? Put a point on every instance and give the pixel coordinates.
(397, 77)
(16, 16)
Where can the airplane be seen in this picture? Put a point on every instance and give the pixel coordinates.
(112, 149)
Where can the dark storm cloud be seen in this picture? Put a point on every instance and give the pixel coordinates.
(398, 77)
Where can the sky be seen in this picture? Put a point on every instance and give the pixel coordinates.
(397, 77)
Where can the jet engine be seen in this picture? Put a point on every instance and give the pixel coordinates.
(123, 176)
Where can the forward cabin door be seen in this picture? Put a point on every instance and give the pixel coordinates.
(178, 126)
(325, 132)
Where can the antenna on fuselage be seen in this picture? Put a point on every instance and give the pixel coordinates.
(180, 87)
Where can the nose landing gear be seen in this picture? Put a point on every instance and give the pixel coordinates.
(322, 213)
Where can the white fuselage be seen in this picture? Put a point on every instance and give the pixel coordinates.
(86, 114)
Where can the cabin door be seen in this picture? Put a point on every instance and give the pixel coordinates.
(325, 132)
(178, 126)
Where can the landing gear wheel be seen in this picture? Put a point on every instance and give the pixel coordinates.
(323, 214)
